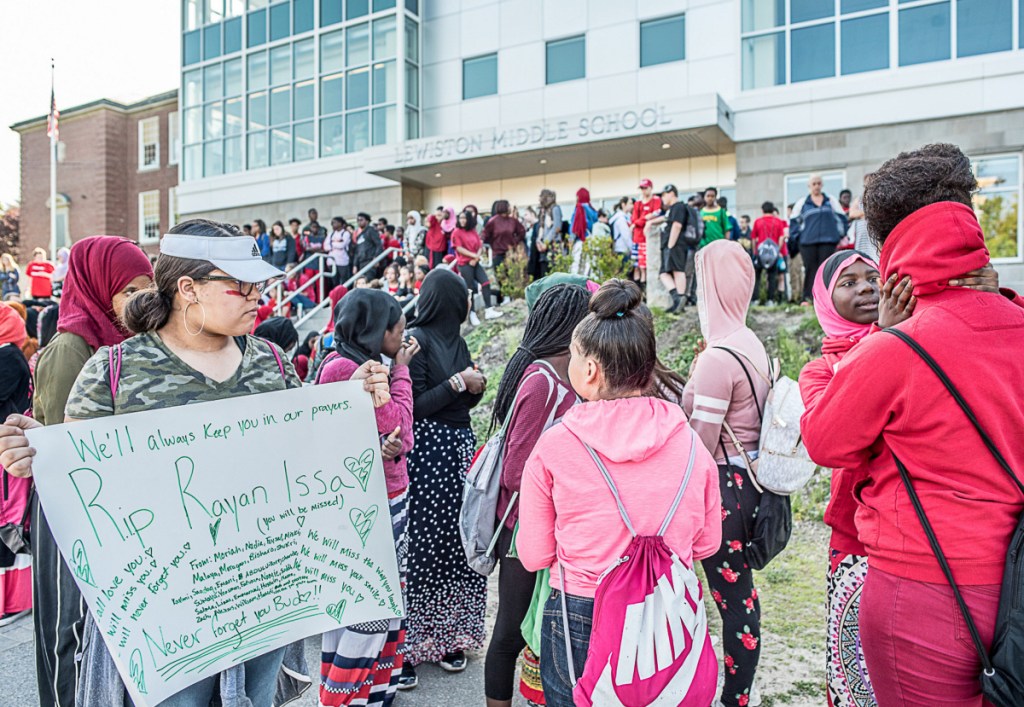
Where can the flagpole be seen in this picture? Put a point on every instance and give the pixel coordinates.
(53, 177)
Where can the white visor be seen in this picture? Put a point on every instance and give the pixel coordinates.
(238, 256)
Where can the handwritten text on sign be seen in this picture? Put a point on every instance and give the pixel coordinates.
(205, 535)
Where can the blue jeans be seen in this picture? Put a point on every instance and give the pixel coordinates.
(554, 666)
(260, 684)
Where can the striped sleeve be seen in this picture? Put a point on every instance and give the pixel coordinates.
(706, 400)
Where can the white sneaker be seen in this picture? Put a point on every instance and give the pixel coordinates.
(473, 319)
(493, 313)
(7, 619)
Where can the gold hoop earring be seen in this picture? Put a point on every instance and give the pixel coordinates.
(184, 318)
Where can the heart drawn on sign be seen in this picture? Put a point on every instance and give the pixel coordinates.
(361, 467)
(81, 562)
(301, 520)
(135, 668)
(335, 611)
(215, 529)
(362, 521)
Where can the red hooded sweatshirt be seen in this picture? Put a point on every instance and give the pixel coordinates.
(885, 400)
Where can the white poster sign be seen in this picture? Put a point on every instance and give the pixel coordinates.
(208, 534)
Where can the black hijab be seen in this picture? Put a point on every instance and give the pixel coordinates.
(443, 304)
(280, 331)
(363, 316)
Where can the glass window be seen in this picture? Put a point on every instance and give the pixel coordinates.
(356, 8)
(384, 38)
(479, 76)
(332, 57)
(257, 4)
(383, 125)
(331, 92)
(280, 65)
(865, 44)
(193, 124)
(379, 5)
(997, 204)
(358, 135)
(302, 19)
(358, 45)
(858, 5)
(804, 10)
(663, 40)
(191, 47)
(330, 12)
(332, 138)
(192, 19)
(281, 145)
(213, 120)
(281, 105)
(211, 42)
(258, 70)
(258, 150)
(233, 77)
(233, 36)
(983, 26)
(412, 6)
(795, 185)
(412, 40)
(303, 64)
(764, 61)
(213, 158)
(304, 148)
(232, 155)
(384, 83)
(412, 85)
(212, 82)
(193, 162)
(303, 108)
(358, 88)
(193, 87)
(814, 52)
(924, 34)
(412, 124)
(280, 21)
(258, 110)
(566, 59)
(214, 11)
(763, 14)
(233, 116)
(234, 8)
(256, 26)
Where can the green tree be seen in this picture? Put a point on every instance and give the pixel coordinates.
(9, 235)
(998, 217)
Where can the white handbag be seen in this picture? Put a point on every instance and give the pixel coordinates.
(783, 465)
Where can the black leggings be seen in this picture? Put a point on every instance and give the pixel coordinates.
(515, 592)
(732, 584)
(814, 256)
(475, 276)
(496, 263)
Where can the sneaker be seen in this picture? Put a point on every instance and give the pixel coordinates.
(493, 313)
(8, 619)
(454, 662)
(473, 319)
(408, 680)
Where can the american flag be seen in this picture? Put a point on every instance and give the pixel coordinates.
(51, 126)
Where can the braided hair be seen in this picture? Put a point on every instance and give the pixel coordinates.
(548, 333)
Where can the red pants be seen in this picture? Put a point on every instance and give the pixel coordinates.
(916, 643)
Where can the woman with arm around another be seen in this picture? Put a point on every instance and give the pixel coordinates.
(569, 517)
(191, 335)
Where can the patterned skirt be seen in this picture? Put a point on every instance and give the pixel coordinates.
(446, 598)
(361, 664)
(846, 673)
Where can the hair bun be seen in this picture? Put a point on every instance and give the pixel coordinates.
(616, 299)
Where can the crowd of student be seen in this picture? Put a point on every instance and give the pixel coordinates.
(603, 448)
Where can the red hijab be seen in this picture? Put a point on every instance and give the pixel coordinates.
(98, 268)
(12, 326)
(579, 218)
(335, 296)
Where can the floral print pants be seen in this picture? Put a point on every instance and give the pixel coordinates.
(732, 585)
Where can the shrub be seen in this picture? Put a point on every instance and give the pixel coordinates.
(599, 261)
(512, 273)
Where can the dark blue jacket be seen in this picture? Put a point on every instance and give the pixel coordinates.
(817, 225)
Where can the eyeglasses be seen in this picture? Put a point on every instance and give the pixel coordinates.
(244, 288)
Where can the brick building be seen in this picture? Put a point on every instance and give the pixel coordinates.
(117, 170)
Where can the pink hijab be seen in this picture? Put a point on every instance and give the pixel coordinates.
(834, 325)
(449, 224)
(725, 281)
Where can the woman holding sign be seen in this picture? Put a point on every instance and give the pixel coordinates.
(191, 345)
(446, 599)
(361, 663)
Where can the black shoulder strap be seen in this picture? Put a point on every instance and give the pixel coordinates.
(926, 357)
(750, 381)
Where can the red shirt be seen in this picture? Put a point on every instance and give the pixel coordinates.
(470, 240)
(640, 213)
(41, 286)
(435, 240)
(769, 227)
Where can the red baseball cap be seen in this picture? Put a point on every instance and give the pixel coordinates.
(646, 184)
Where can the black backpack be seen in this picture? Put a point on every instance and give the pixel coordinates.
(1002, 676)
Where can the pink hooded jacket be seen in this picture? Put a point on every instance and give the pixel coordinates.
(567, 513)
(718, 390)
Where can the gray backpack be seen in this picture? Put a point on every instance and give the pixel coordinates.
(479, 524)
